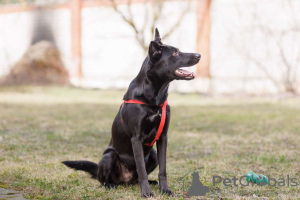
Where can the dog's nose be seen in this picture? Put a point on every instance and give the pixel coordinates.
(197, 55)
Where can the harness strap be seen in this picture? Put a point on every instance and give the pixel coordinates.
(162, 120)
(130, 101)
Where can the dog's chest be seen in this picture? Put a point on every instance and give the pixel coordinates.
(151, 118)
(152, 121)
(150, 125)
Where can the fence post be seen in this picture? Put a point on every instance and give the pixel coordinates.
(203, 37)
(75, 6)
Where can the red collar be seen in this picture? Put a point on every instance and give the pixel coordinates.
(162, 120)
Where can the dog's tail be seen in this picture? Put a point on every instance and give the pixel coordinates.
(87, 166)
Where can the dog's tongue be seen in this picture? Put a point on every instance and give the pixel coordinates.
(184, 72)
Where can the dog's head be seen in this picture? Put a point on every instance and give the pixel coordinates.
(168, 61)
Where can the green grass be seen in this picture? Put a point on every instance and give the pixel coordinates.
(42, 126)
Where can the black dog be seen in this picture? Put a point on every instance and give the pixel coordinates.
(142, 120)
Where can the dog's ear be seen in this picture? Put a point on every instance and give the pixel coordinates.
(157, 36)
(156, 33)
(155, 51)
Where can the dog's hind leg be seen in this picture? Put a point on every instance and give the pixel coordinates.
(108, 171)
(151, 164)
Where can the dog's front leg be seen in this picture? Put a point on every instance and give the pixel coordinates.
(161, 145)
(138, 152)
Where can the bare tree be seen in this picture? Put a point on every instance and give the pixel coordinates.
(288, 66)
(152, 16)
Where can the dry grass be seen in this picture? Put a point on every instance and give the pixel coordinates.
(42, 126)
(41, 64)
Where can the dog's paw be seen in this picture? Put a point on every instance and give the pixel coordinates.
(147, 195)
(110, 186)
(152, 182)
(167, 191)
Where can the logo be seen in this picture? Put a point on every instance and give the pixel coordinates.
(249, 180)
(195, 187)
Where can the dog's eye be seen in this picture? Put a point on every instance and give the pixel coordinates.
(175, 53)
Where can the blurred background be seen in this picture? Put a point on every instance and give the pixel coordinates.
(248, 47)
(65, 66)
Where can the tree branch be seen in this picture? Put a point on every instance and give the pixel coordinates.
(138, 35)
(157, 7)
(178, 22)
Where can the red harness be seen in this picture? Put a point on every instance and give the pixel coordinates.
(162, 120)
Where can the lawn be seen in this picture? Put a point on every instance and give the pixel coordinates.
(227, 137)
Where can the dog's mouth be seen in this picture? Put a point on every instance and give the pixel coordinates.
(181, 73)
